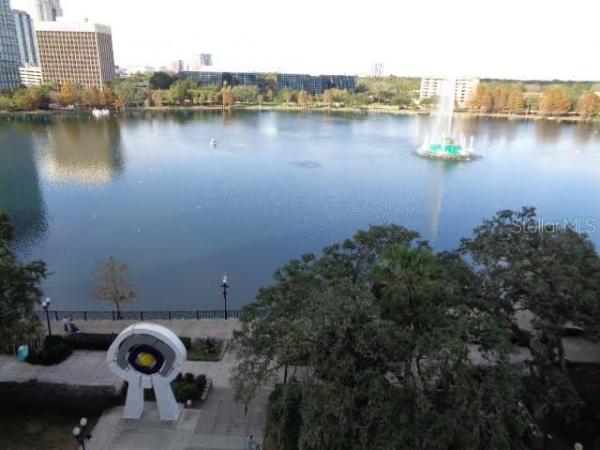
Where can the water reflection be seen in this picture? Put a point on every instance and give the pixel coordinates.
(548, 131)
(20, 193)
(86, 152)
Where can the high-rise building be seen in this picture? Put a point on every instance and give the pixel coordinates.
(205, 59)
(435, 87)
(9, 48)
(25, 38)
(47, 10)
(78, 53)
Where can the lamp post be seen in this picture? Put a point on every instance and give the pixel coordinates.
(45, 307)
(224, 285)
(80, 433)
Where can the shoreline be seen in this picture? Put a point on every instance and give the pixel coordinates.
(387, 110)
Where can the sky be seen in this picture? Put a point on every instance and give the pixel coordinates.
(522, 39)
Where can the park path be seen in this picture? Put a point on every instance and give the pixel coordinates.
(89, 368)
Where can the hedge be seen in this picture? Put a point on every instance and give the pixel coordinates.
(54, 351)
(102, 341)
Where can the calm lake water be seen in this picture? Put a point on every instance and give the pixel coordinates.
(149, 190)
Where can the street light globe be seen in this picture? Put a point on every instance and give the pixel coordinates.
(224, 279)
(83, 422)
(46, 302)
(76, 431)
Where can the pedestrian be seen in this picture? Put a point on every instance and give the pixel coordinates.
(250, 443)
(72, 325)
(66, 324)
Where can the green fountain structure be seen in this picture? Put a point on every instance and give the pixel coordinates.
(447, 148)
(441, 143)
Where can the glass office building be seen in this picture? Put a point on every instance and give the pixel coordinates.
(25, 38)
(315, 84)
(203, 78)
(9, 48)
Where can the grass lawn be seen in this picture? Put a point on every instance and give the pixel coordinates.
(44, 431)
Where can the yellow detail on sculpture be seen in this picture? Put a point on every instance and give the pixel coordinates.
(146, 360)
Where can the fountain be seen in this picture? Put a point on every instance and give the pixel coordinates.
(442, 144)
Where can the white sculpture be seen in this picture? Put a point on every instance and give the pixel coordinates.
(147, 355)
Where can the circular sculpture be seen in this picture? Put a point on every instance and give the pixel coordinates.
(147, 355)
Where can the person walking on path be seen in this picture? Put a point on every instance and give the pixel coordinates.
(250, 443)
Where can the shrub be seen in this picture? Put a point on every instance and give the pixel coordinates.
(90, 341)
(185, 387)
(54, 351)
(206, 349)
(102, 341)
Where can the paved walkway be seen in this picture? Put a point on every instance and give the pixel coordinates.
(220, 424)
(89, 368)
(82, 368)
(219, 328)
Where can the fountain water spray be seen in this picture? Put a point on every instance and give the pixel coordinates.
(442, 143)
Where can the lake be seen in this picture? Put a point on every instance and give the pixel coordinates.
(149, 190)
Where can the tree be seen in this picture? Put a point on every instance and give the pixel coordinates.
(245, 94)
(267, 82)
(19, 292)
(555, 101)
(158, 98)
(228, 97)
(161, 80)
(288, 95)
(92, 97)
(130, 93)
(328, 98)
(482, 100)
(304, 98)
(67, 95)
(27, 99)
(551, 271)
(589, 105)
(382, 332)
(516, 101)
(207, 95)
(181, 90)
(114, 286)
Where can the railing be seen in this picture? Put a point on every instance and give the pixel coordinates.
(140, 315)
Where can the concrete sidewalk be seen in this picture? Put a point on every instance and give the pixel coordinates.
(220, 424)
(82, 368)
(218, 328)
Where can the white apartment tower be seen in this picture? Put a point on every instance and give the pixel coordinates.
(463, 89)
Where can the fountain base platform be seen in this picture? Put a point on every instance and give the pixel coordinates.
(448, 150)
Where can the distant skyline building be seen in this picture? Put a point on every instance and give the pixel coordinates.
(206, 59)
(25, 38)
(463, 89)
(76, 52)
(9, 48)
(178, 66)
(47, 10)
(377, 70)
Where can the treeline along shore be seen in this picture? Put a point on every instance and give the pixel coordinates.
(556, 100)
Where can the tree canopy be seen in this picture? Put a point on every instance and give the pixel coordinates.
(19, 291)
(389, 344)
(161, 80)
(383, 330)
